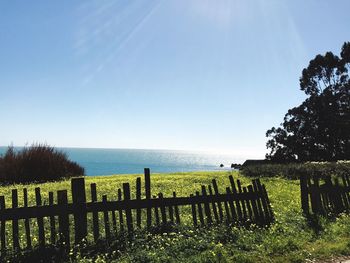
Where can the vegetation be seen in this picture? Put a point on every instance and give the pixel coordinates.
(37, 163)
(295, 170)
(318, 129)
(292, 238)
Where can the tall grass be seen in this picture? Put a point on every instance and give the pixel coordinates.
(37, 163)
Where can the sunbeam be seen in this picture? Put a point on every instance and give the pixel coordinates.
(108, 27)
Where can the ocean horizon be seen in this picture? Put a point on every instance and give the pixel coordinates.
(105, 161)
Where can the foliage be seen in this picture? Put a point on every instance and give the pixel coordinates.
(38, 162)
(317, 130)
(295, 170)
(289, 239)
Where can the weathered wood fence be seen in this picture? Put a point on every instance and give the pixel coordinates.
(238, 205)
(325, 196)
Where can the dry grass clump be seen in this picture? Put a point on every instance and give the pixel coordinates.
(37, 163)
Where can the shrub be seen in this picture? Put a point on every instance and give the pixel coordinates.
(295, 170)
(38, 163)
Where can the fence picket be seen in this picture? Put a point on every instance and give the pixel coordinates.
(40, 219)
(95, 224)
(27, 220)
(232, 207)
(15, 232)
(266, 197)
(338, 194)
(237, 203)
(52, 222)
(138, 197)
(346, 195)
(253, 204)
(3, 226)
(171, 214)
(162, 209)
(126, 191)
(63, 218)
(304, 195)
(242, 202)
(215, 211)
(148, 195)
(227, 211)
(194, 212)
(216, 191)
(177, 213)
(258, 203)
(156, 213)
(249, 208)
(114, 222)
(207, 207)
(264, 202)
(121, 218)
(106, 219)
(200, 211)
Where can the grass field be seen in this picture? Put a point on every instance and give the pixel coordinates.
(290, 239)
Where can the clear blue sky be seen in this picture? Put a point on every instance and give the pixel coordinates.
(175, 74)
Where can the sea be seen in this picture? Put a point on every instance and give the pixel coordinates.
(98, 161)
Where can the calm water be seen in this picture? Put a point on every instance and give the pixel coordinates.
(125, 161)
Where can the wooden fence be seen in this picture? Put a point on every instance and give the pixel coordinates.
(325, 195)
(238, 205)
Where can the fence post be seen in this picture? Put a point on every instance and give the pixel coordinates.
(304, 194)
(79, 202)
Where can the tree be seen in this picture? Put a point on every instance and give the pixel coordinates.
(319, 128)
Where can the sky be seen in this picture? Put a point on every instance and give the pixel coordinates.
(199, 75)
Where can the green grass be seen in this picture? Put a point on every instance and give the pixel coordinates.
(290, 239)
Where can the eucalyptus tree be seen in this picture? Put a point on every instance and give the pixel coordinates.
(319, 128)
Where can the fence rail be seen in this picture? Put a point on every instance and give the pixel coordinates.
(325, 196)
(238, 205)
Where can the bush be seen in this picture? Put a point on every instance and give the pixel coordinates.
(295, 170)
(37, 163)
